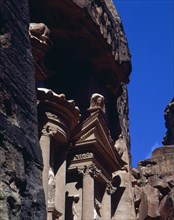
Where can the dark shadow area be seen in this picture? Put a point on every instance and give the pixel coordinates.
(116, 197)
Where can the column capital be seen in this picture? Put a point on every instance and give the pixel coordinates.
(55, 131)
(46, 131)
(62, 115)
(91, 170)
(110, 189)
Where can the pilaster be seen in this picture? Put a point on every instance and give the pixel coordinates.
(106, 201)
(45, 147)
(58, 117)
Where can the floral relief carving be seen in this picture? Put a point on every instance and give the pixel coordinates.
(83, 156)
(91, 170)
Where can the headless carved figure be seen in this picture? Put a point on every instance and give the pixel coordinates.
(51, 187)
(40, 31)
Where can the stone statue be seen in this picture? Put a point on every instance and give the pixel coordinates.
(97, 208)
(97, 102)
(39, 31)
(74, 209)
(51, 187)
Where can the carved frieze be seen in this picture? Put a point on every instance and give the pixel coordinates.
(83, 156)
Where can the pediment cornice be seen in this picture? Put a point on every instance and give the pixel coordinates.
(93, 136)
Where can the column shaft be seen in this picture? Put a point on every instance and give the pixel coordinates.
(49, 216)
(88, 197)
(60, 186)
(45, 147)
(106, 206)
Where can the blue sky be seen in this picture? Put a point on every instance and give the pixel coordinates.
(149, 27)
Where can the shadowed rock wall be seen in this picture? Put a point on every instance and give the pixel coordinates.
(21, 192)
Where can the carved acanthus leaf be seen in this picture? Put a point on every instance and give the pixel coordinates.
(110, 189)
(91, 170)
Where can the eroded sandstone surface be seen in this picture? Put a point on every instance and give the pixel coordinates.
(21, 192)
(153, 181)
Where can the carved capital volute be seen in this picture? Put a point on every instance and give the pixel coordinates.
(110, 189)
(91, 170)
(46, 131)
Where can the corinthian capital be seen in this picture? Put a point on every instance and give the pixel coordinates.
(45, 130)
(91, 170)
(110, 189)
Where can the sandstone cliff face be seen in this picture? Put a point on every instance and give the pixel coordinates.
(169, 118)
(89, 42)
(153, 182)
(21, 193)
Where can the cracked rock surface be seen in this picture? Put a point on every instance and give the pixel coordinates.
(21, 192)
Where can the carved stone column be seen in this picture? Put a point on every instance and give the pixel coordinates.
(89, 173)
(59, 117)
(45, 147)
(88, 196)
(60, 186)
(53, 214)
(106, 201)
